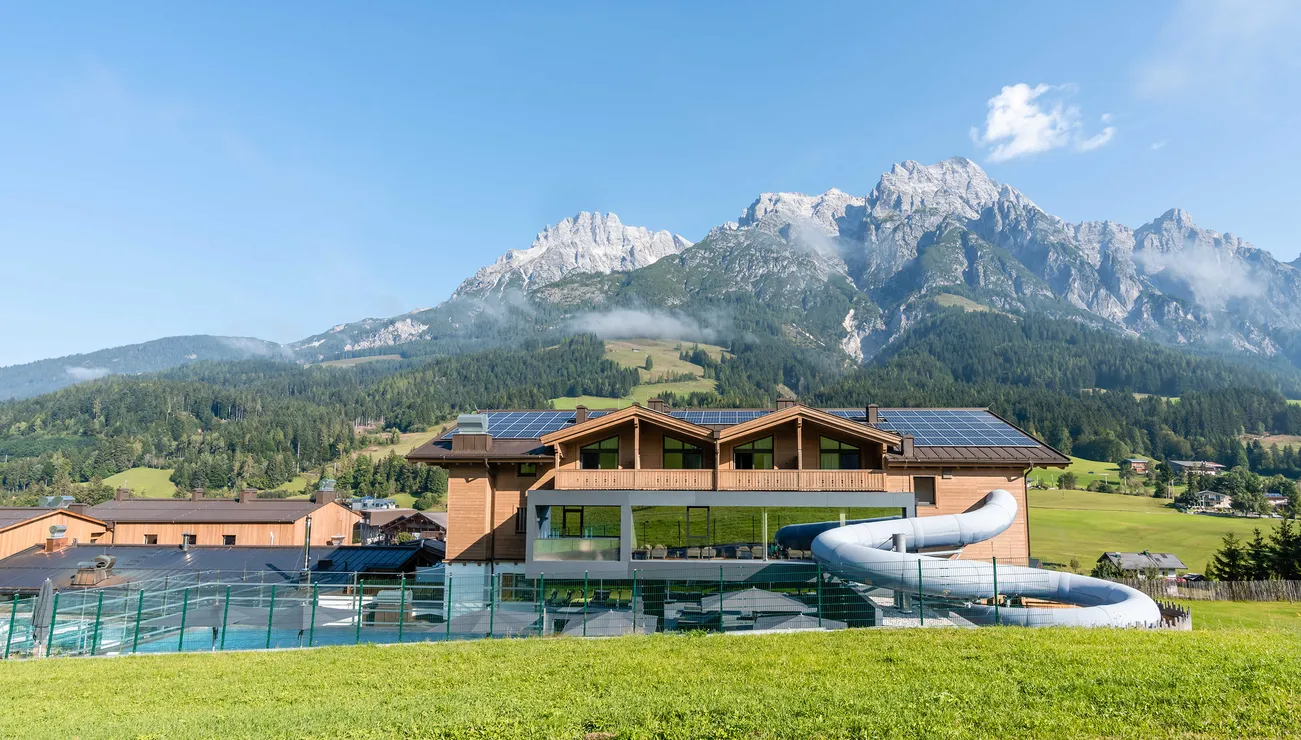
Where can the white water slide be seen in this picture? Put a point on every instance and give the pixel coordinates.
(862, 552)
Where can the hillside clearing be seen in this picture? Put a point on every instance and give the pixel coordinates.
(997, 682)
(665, 363)
(354, 361)
(144, 482)
(1083, 525)
(1086, 471)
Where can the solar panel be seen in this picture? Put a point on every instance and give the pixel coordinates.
(953, 427)
(720, 417)
(529, 424)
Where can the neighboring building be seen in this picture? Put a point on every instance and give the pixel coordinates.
(243, 521)
(369, 503)
(1195, 466)
(373, 520)
(605, 492)
(1166, 563)
(1214, 500)
(22, 527)
(421, 525)
(1277, 500)
(84, 566)
(1137, 465)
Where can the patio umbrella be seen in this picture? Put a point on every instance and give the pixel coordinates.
(755, 601)
(43, 614)
(502, 622)
(609, 623)
(797, 622)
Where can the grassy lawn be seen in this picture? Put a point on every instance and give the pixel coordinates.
(1066, 524)
(146, 482)
(1086, 471)
(410, 441)
(354, 361)
(632, 353)
(1221, 615)
(997, 682)
(591, 402)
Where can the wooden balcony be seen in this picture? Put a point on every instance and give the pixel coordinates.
(728, 480)
(635, 480)
(801, 480)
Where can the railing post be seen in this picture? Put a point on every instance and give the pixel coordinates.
(13, 617)
(225, 614)
(271, 614)
(720, 597)
(54, 617)
(361, 586)
(492, 606)
(542, 603)
(99, 610)
(819, 564)
(140, 607)
(185, 609)
(311, 629)
(402, 605)
(921, 600)
(447, 605)
(585, 603)
(997, 620)
(633, 602)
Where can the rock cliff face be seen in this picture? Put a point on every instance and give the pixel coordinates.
(849, 272)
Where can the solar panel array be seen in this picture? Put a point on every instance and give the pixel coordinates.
(720, 417)
(929, 427)
(945, 427)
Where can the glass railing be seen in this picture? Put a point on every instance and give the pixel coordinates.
(576, 548)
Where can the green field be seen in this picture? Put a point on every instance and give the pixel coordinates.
(354, 361)
(145, 482)
(1066, 524)
(997, 682)
(950, 300)
(1221, 615)
(1086, 471)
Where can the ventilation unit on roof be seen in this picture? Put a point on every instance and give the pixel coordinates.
(472, 424)
(57, 531)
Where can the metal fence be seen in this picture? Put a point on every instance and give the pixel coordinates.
(181, 614)
(1159, 588)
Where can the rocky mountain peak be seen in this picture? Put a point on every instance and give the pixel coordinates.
(956, 185)
(585, 242)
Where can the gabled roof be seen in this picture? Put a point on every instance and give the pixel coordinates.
(225, 511)
(13, 516)
(616, 418)
(800, 411)
(1143, 560)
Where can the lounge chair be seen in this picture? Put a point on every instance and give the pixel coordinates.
(659, 552)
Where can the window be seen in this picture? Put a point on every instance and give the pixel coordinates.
(603, 455)
(228, 539)
(151, 539)
(837, 455)
(924, 489)
(679, 455)
(528, 470)
(521, 524)
(756, 455)
(189, 539)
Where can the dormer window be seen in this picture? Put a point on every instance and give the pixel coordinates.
(679, 455)
(756, 455)
(837, 455)
(603, 455)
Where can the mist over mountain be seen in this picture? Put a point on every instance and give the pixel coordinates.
(837, 273)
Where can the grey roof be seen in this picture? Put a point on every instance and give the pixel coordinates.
(215, 510)
(1195, 463)
(14, 515)
(26, 570)
(1145, 560)
(374, 559)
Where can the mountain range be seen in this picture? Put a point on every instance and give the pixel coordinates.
(838, 273)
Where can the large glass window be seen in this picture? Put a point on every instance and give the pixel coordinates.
(756, 455)
(603, 455)
(837, 455)
(679, 455)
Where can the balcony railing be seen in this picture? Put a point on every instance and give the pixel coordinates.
(728, 480)
(801, 480)
(635, 480)
(576, 548)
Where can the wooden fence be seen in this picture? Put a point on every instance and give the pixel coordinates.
(1217, 590)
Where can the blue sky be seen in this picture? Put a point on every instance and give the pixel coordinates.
(272, 169)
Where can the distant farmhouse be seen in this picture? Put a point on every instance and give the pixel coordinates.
(1166, 563)
(1136, 465)
(1214, 500)
(1196, 466)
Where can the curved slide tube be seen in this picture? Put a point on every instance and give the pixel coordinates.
(861, 552)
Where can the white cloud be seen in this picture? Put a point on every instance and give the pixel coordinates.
(1024, 120)
(1158, 144)
(625, 322)
(1217, 50)
(86, 373)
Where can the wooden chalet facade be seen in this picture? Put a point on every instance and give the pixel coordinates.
(596, 491)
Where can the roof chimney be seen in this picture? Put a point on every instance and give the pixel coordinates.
(657, 405)
(785, 403)
(873, 413)
(76, 508)
(122, 494)
(247, 495)
(580, 414)
(471, 434)
(58, 538)
(196, 494)
(326, 497)
(907, 445)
